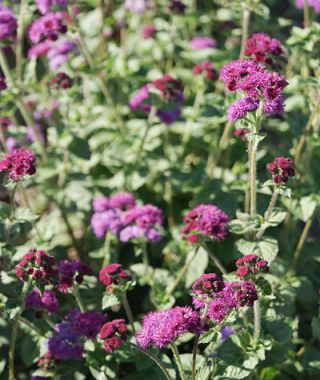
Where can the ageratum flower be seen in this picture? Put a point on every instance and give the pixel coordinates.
(47, 301)
(59, 53)
(70, 272)
(8, 24)
(19, 164)
(138, 6)
(149, 31)
(166, 91)
(63, 349)
(206, 68)
(315, 4)
(61, 80)
(38, 266)
(113, 334)
(160, 328)
(48, 27)
(198, 43)
(262, 48)
(177, 6)
(205, 221)
(281, 169)
(262, 88)
(114, 274)
(204, 287)
(46, 6)
(250, 265)
(142, 222)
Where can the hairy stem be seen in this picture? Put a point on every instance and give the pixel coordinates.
(245, 29)
(19, 43)
(106, 249)
(257, 321)
(153, 358)
(268, 213)
(194, 356)
(306, 15)
(253, 179)
(128, 311)
(178, 360)
(78, 299)
(180, 276)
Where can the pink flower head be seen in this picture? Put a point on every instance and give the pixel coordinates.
(46, 6)
(61, 80)
(48, 27)
(149, 31)
(241, 132)
(113, 334)
(139, 6)
(281, 169)
(123, 201)
(160, 328)
(315, 4)
(250, 265)
(38, 266)
(206, 68)
(114, 274)
(19, 164)
(205, 221)
(198, 43)
(262, 48)
(8, 24)
(240, 108)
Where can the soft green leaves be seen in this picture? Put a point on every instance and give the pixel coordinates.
(109, 300)
(197, 266)
(267, 248)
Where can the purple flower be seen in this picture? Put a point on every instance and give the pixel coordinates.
(138, 6)
(100, 204)
(58, 54)
(45, 6)
(198, 43)
(218, 310)
(49, 26)
(160, 328)
(315, 4)
(177, 6)
(123, 201)
(240, 108)
(39, 50)
(113, 333)
(3, 83)
(8, 24)
(63, 349)
(12, 144)
(47, 301)
(33, 300)
(142, 222)
(207, 221)
(105, 221)
(262, 48)
(19, 163)
(70, 271)
(149, 31)
(226, 332)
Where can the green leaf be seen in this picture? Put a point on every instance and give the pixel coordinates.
(109, 300)
(80, 148)
(315, 324)
(5, 210)
(197, 266)
(267, 248)
(308, 206)
(269, 373)
(25, 214)
(277, 216)
(210, 336)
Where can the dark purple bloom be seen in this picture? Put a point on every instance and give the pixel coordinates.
(49, 26)
(47, 301)
(63, 349)
(226, 332)
(281, 168)
(177, 6)
(160, 328)
(206, 68)
(33, 300)
(262, 48)
(70, 271)
(8, 24)
(46, 6)
(3, 83)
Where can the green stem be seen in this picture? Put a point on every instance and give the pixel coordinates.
(49, 322)
(253, 179)
(194, 357)
(19, 43)
(150, 121)
(301, 242)
(153, 358)
(145, 257)
(257, 321)
(168, 193)
(245, 29)
(128, 311)
(31, 326)
(78, 299)
(178, 360)
(106, 249)
(268, 213)
(180, 276)
(215, 260)
(12, 202)
(306, 13)
(27, 203)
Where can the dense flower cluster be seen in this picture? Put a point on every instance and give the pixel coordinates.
(205, 221)
(177, 6)
(113, 334)
(139, 6)
(8, 24)
(19, 163)
(206, 68)
(262, 88)
(61, 80)
(315, 4)
(251, 264)
(38, 266)
(70, 271)
(76, 325)
(281, 169)
(49, 26)
(161, 328)
(46, 6)
(166, 91)
(262, 48)
(149, 31)
(46, 301)
(198, 43)
(114, 274)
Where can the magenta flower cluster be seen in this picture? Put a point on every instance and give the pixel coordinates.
(262, 88)
(250, 265)
(47, 301)
(19, 163)
(8, 24)
(48, 27)
(160, 328)
(72, 272)
(114, 274)
(166, 94)
(315, 4)
(67, 345)
(113, 334)
(138, 6)
(281, 169)
(120, 215)
(262, 48)
(205, 222)
(206, 68)
(198, 43)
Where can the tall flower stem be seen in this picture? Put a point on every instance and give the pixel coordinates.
(194, 357)
(78, 299)
(128, 311)
(253, 179)
(307, 129)
(106, 249)
(12, 201)
(150, 120)
(257, 321)
(19, 43)
(306, 15)
(178, 360)
(215, 260)
(301, 242)
(21, 106)
(168, 192)
(145, 257)
(153, 358)
(14, 331)
(268, 213)
(245, 29)
(180, 276)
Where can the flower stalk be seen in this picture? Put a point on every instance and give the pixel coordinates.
(178, 360)
(245, 29)
(128, 311)
(268, 213)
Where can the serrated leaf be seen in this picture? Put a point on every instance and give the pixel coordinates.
(109, 300)
(25, 214)
(308, 206)
(277, 216)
